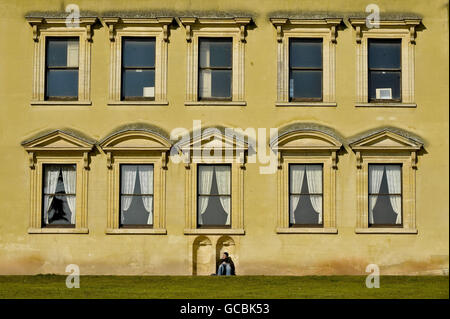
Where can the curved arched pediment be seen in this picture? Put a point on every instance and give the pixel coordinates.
(305, 140)
(135, 139)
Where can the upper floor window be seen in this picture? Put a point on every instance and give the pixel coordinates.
(305, 195)
(385, 195)
(214, 195)
(59, 195)
(136, 195)
(62, 68)
(215, 68)
(305, 69)
(385, 70)
(138, 68)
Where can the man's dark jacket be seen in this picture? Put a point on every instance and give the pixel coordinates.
(227, 260)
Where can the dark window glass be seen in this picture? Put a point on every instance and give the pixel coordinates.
(62, 62)
(305, 69)
(138, 68)
(385, 195)
(385, 69)
(136, 195)
(59, 196)
(214, 196)
(215, 68)
(305, 195)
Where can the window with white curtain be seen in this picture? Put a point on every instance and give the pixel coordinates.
(215, 68)
(136, 195)
(214, 195)
(305, 195)
(59, 195)
(385, 195)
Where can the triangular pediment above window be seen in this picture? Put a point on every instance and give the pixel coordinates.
(386, 140)
(58, 141)
(305, 140)
(135, 140)
(214, 140)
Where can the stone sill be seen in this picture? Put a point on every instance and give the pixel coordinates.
(118, 103)
(385, 231)
(216, 103)
(136, 231)
(58, 231)
(56, 103)
(399, 105)
(216, 231)
(305, 104)
(307, 230)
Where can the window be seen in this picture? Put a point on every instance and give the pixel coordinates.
(62, 68)
(385, 195)
(215, 60)
(215, 68)
(136, 195)
(214, 195)
(385, 69)
(305, 195)
(62, 61)
(305, 69)
(59, 196)
(138, 68)
(306, 61)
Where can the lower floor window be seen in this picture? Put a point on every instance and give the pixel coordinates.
(214, 195)
(385, 195)
(59, 195)
(136, 195)
(305, 195)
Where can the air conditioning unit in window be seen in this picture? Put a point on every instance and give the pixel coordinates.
(383, 94)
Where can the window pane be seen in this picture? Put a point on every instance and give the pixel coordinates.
(215, 83)
(305, 53)
(384, 53)
(306, 209)
(383, 209)
(384, 80)
(305, 84)
(138, 52)
(62, 52)
(215, 52)
(62, 83)
(138, 83)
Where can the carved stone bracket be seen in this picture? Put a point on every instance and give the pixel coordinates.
(334, 160)
(358, 34)
(86, 160)
(31, 159)
(109, 160)
(358, 160)
(164, 160)
(414, 160)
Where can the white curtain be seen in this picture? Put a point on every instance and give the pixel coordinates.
(51, 181)
(314, 178)
(205, 75)
(394, 181)
(223, 177)
(69, 175)
(146, 182)
(205, 177)
(297, 174)
(128, 183)
(376, 175)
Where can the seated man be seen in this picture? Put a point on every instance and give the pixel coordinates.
(225, 266)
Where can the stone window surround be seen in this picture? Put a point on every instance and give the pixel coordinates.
(324, 28)
(405, 29)
(56, 27)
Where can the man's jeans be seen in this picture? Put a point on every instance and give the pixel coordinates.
(224, 270)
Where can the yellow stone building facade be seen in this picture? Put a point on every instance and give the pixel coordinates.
(342, 145)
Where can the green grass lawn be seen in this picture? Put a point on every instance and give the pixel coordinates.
(52, 286)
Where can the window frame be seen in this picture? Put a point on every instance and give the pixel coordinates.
(211, 226)
(133, 226)
(44, 27)
(303, 194)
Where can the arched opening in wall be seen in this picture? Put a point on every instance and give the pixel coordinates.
(226, 244)
(202, 261)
